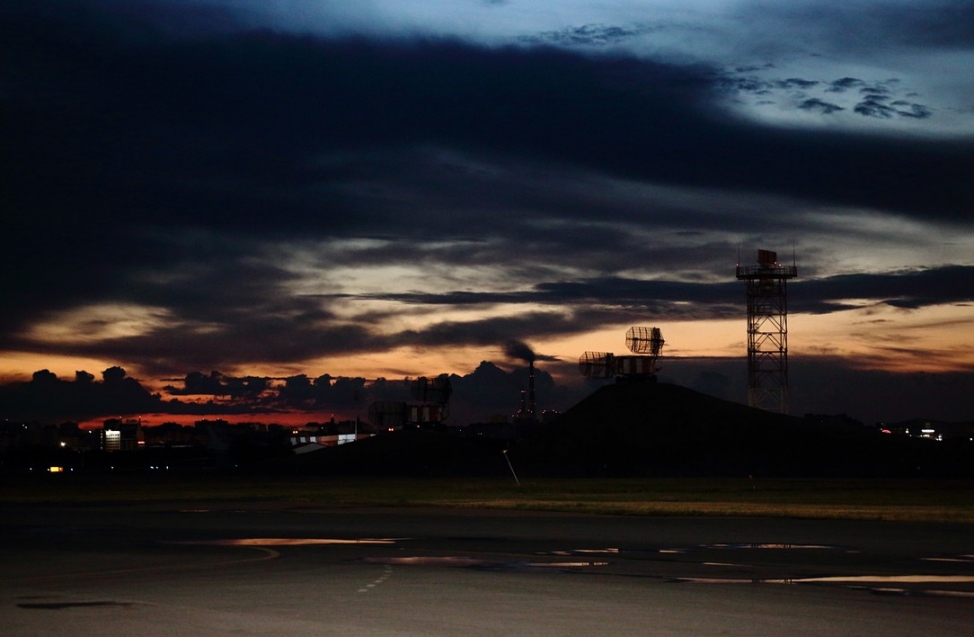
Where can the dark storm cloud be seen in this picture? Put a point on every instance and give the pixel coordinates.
(46, 394)
(574, 307)
(912, 290)
(915, 289)
(490, 333)
(580, 306)
(217, 384)
(48, 398)
(907, 109)
(261, 106)
(242, 340)
(751, 84)
(875, 107)
(587, 35)
(153, 164)
(794, 82)
(877, 100)
(845, 84)
(821, 106)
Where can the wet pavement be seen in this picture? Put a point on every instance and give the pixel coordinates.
(241, 570)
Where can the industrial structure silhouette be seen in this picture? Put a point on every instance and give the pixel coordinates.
(767, 330)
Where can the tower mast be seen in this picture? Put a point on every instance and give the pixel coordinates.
(767, 331)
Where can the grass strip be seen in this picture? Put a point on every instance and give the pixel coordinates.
(895, 500)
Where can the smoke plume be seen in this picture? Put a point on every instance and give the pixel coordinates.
(519, 350)
(522, 351)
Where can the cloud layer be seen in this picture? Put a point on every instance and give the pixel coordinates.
(197, 186)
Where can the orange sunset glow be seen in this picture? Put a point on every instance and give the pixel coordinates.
(282, 214)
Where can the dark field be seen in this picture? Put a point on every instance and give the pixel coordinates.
(901, 500)
(638, 449)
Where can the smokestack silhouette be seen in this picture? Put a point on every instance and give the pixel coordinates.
(521, 351)
(531, 404)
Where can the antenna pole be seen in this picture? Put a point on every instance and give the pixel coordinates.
(767, 331)
(512, 467)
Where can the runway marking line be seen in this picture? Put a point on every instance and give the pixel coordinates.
(386, 574)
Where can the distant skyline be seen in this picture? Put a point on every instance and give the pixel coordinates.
(396, 189)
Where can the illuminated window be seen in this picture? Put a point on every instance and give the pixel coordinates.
(111, 440)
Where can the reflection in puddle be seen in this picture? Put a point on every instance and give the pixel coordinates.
(565, 564)
(722, 580)
(291, 541)
(876, 584)
(425, 561)
(722, 564)
(896, 579)
(63, 605)
(674, 550)
(450, 560)
(768, 546)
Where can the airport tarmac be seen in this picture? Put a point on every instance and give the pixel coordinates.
(263, 569)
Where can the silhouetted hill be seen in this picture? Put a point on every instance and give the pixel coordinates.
(656, 429)
(653, 429)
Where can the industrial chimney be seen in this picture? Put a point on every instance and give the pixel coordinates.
(531, 401)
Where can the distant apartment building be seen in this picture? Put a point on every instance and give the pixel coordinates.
(121, 435)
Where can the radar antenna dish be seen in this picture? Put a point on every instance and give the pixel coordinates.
(645, 340)
(432, 390)
(597, 365)
(646, 343)
(388, 414)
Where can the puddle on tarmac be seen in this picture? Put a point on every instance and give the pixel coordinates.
(770, 546)
(878, 584)
(421, 560)
(290, 541)
(963, 559)
(472, 562)
(678, 550)
(893, 579)
(65, 605)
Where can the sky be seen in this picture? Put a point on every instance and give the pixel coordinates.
(337, 192)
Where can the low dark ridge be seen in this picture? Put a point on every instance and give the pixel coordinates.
(652, 429)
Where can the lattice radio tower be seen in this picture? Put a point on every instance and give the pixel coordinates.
(767, 331)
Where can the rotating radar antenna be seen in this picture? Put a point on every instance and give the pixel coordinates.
(646, 344)
(645, 340)
(432, 390)
(597, 365)
(433, 396)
